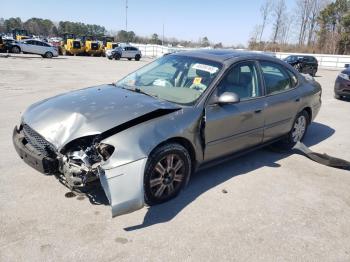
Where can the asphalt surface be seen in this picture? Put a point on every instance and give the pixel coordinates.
(265, 206)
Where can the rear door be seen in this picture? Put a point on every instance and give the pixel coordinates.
(282, 99)
(37, 47)
(233, 127)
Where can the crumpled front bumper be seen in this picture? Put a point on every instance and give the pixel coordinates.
(123, 185)
(31, 156)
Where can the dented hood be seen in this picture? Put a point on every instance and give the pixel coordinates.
(90, 111)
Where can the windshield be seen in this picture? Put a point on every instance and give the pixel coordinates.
(174, 78)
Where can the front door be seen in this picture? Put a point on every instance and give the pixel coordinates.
(233, 127)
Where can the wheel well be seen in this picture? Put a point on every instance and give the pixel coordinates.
(309, 112)
(186, 144)
(16, 46)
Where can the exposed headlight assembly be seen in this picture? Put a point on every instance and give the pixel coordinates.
(105, 150)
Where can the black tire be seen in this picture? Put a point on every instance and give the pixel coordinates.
(109, 57)
(129, 59)
(48, 55)
(117, 56)
(336, 96)
(167, 171)
(294, 135)
(314, 71)
(15, 50)
(137, 57)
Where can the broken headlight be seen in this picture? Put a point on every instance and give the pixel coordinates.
(105, 150)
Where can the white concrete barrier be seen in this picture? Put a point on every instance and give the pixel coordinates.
(324, 60)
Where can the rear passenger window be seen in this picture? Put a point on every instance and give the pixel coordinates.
(242, 79)
(276, 78)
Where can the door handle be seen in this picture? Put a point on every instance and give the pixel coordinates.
(297, 99)
(258, 111)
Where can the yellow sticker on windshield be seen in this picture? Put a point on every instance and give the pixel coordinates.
(197, 80)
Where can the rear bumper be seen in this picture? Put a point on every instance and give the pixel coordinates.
(32, 157)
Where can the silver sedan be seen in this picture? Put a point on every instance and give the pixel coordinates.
(143, 136)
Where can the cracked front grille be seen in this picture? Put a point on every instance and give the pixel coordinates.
(37, 141)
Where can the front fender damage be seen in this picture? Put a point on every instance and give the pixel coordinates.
(87, 159)
(123, 186)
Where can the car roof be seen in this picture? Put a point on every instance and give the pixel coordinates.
(222, 55)
(32, 39)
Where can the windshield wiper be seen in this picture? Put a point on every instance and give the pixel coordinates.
(136, 90)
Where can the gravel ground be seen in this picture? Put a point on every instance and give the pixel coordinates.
(264, 206)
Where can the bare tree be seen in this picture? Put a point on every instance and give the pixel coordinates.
(316, 7)
(278, 14)
(304, 9)
(265, 11)
(283, 35)
(255, 34)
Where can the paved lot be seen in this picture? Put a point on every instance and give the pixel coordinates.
(278, 207)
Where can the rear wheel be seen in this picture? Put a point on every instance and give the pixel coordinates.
(167, 171)
(129, 59)
(298, 131)
(137, 57)
(15, 50)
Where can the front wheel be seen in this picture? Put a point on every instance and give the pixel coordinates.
(167, 170)
(336, 96)
(15, 50)
(48, 55)
(117, 56)
(298, 67)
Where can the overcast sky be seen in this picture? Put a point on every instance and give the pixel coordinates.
(226, 21)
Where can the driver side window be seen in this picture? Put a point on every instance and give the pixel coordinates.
(243, 80)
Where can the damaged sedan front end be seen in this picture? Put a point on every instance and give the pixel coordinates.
(66, 139)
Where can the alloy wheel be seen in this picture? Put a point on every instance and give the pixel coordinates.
(299, 128)
(167, 176)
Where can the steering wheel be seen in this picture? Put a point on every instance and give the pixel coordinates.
(162, 82)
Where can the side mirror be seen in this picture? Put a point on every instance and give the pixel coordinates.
(228, 98)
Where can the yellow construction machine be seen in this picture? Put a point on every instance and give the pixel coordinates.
(92, 45)
(108, 43)
(71, 45)
(20, 34)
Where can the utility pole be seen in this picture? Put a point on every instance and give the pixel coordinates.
(126, 15)
(163, 35)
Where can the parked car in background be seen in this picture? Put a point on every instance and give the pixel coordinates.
(34, 46)
(342, 84)
(304, 64)
(144, 135)
(129, 52)
(6, 44)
